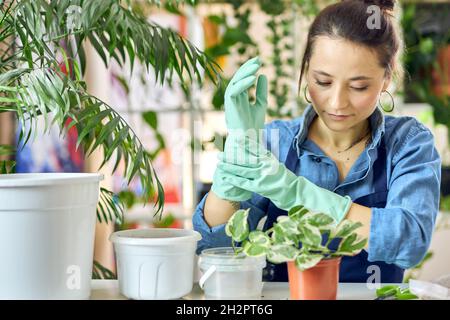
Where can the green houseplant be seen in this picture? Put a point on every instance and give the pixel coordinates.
(33, 85)
(42, 68)
(426, 74)
(303, 240)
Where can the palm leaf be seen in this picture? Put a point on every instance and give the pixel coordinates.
(97, 124)
(32, 86)
(101, 272)
(113, 29)
(110, 207)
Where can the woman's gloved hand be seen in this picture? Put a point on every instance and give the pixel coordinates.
(240, 114)
(261, 172)
(242, 119)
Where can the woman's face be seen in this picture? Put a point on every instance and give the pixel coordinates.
(344, 82)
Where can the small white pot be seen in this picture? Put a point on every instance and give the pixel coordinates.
(155, 263)
(47, 234)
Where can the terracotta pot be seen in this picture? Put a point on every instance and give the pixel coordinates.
(317, 283)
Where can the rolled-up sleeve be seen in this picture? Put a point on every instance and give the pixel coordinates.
(401, 232)
(213, 237)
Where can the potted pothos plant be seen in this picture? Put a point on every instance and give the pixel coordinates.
(302, 239)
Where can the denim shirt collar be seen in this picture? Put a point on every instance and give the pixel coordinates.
(376, 122)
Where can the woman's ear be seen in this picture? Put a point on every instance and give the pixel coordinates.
(387, 82)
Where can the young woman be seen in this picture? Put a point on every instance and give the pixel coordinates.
(342, 157)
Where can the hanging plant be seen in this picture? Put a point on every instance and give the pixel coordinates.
(282, 60)
(282, 37)
(234, 36)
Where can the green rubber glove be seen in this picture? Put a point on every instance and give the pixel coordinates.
(264, 174)
(240, 114)
(242, 119)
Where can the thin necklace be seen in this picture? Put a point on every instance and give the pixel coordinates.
(354, 144)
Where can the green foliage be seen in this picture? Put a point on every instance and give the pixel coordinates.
(234, 37)
(33, 85)
(237, 38)
(101, 272)
(165, 222)
(310, 7)
(445, 204)
(151, 119)
(395, 292)
(421, 48)
(296, 237)
(281, 26)
(7, 166)
(128, 198)
(237, 227)
(420, 60)
(109, 207)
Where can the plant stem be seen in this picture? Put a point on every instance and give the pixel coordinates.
(233, 246)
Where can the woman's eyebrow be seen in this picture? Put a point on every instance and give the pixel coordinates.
(360, 78)
(351, 79)
(323, 73)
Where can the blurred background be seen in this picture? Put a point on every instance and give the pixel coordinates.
(183, 128)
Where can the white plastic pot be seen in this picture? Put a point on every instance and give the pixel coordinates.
(47, 234)
(230, 276)
(155, 263)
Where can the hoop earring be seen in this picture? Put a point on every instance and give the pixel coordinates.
(392, 99)
(304, 92)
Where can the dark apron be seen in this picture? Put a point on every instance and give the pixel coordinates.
(352, 269)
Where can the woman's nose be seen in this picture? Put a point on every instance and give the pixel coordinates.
(338, 99)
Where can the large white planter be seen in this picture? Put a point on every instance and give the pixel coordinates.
(47, 235)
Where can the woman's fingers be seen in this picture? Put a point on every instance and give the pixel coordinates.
(261, 91)
(244, 78)
(248, 68)
(241, 86)
(250, 145)
(237, 170)
(244, 73)
(239, 157)
(236, 181)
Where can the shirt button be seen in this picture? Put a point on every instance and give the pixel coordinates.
(318, 160)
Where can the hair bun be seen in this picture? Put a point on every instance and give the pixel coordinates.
(383, 4)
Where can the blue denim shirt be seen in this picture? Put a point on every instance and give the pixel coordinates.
(401, 232)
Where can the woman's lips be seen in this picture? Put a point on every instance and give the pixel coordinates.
(338, 117)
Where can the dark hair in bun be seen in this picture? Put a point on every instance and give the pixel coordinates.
(383, 4)
(348, 20)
